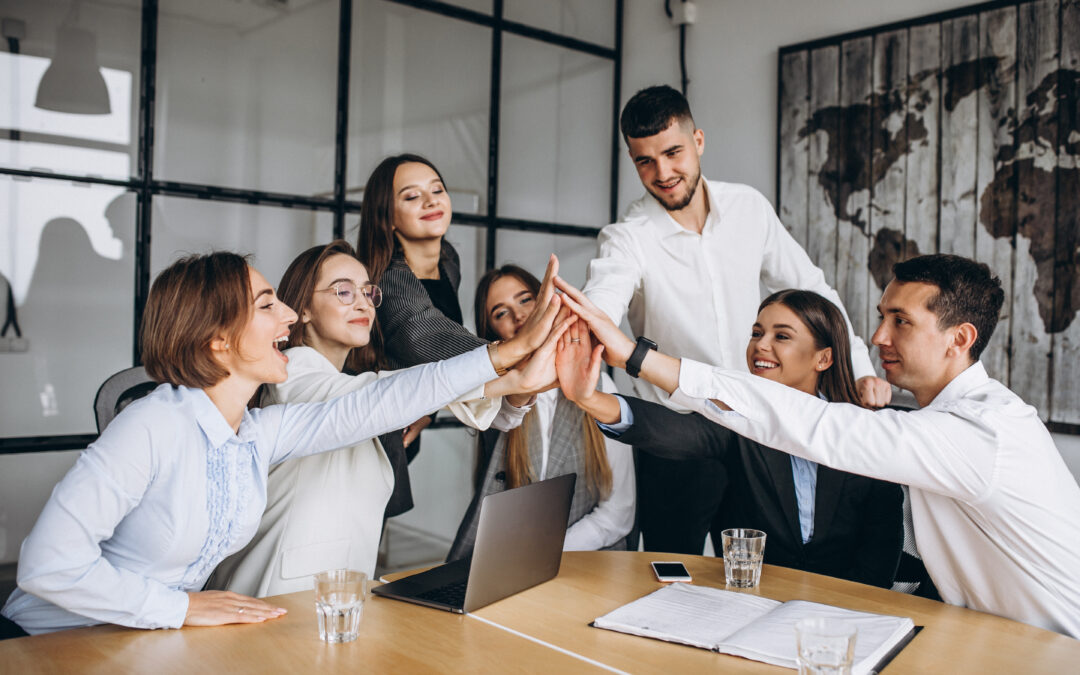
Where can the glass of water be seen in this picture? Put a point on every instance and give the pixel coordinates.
(339, 604)
(825, 646)
(744, 550)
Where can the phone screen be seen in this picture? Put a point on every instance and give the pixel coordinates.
(670, 569)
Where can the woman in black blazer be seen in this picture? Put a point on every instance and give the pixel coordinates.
(404, 216)
(852, 528)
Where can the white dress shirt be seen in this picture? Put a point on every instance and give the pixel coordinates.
(697, 295)
(993, 504)
(169, 490)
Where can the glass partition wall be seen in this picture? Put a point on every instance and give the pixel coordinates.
(134, 132)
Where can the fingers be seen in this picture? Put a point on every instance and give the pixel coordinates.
(547, 288)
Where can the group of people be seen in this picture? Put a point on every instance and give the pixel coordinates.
(277, 409)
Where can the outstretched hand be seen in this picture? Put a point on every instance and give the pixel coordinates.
(215, 608)
(539, 324)
(538, 372)
(617, 347)
(578, 363)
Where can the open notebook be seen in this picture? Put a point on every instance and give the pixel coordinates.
(751, 626)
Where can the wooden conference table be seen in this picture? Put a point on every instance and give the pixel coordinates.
(543, 629)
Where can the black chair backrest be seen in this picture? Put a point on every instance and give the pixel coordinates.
(118, 391)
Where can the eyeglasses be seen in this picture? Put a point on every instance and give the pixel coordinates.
(346, 292)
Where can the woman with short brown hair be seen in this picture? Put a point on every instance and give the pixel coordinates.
(177, 481)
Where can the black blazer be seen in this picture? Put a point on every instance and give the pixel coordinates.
(414, 330)
(858, 521)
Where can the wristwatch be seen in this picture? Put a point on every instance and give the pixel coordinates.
(633, 364)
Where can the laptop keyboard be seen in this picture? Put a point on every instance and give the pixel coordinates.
(451, 594)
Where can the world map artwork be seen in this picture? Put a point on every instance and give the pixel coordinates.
(1054, 162)
(955, 133)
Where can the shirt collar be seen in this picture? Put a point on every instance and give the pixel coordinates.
(658, 214)
(972, 377)
(212, 422)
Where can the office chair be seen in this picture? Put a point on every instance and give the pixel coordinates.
(118, 391)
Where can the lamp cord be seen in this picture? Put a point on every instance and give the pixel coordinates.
(682, 47)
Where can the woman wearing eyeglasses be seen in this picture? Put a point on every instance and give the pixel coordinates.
(326, 511)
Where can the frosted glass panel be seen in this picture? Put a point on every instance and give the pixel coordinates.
(555, 137)
(71, 270)
(246, 95)
(272, 235)
(531, 250)
(588, 20)
(65, 118)
(420, 84)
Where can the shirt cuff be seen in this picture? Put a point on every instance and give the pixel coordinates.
(626, 419)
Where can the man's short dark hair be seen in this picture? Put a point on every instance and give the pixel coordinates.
(652, 110)
(967, 292)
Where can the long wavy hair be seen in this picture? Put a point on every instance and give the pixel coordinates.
(597, 469)
(376, 242)
(827, 325)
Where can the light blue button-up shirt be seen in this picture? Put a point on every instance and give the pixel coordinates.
(803, 471)
(169, 490)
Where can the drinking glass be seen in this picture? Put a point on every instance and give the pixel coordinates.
(825, 646)
(339, 604)
(744, 550)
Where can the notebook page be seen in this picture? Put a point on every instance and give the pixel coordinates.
(692, 615)
(772, 638)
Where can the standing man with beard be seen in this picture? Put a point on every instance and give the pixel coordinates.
(686, 266)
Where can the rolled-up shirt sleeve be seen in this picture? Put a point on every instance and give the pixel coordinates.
(61, 560)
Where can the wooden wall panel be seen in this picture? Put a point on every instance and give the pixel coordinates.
(924, 105)
(1065, 394)
(959, 131)
(794, 147)
(996, 180)
(821, 192)
(1037, 60)
(853, 208)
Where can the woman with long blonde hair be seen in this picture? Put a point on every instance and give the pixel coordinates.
(556, 438)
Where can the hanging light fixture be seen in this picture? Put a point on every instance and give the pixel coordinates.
(73, 82)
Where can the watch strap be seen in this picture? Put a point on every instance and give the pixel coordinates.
(633, 364)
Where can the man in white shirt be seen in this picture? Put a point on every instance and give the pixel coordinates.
(686, 265)
(993, 504)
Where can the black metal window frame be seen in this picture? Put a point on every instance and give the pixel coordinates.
(145, 186)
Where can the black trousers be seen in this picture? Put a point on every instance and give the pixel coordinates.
(677, 501)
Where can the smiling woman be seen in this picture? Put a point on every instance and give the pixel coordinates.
(178, 480)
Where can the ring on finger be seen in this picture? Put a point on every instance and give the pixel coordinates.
(575, 339)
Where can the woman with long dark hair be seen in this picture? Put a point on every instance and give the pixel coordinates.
(817, 519)
(404, 217)
(556, 438)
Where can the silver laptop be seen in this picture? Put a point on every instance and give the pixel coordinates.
(519, 543)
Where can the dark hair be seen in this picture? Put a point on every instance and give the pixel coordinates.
(376, 243)
(193, 301)
(598, 474)
(297, 289)
(827, 325)
(968, 292)
(652, 110)
(483, 321)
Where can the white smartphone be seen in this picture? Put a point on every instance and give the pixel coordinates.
(670, 571)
